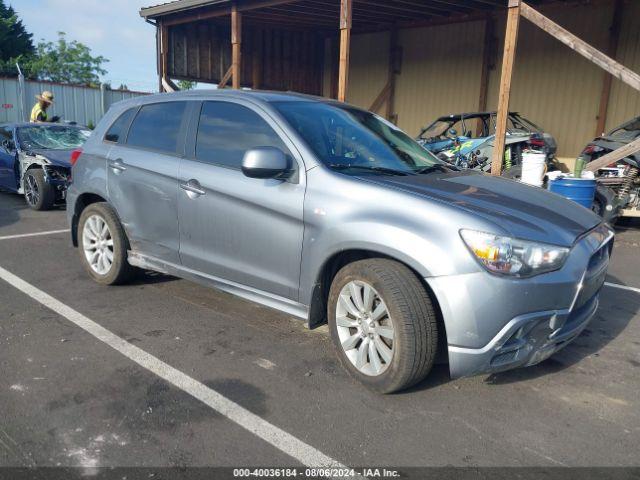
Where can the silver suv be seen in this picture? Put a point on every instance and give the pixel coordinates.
(331, 213)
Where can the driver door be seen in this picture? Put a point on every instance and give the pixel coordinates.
(7, 159)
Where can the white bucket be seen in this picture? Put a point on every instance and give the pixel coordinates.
(533, 164)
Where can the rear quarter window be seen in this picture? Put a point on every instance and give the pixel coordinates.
(157, 126)
(118, 129)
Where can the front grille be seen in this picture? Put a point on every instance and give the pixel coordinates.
(595, 275)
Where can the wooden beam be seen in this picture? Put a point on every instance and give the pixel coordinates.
(206, 14)
(607, 80)
(616, 69)
(382, 97)
(224, 80)
(168, 86)
(612, 157)
(164, 54)
(236, 46)
(256, 59)
(508, 58)
(345, 39)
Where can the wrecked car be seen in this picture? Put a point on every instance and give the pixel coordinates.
(622, 178)
(35, 160)
(466, 140)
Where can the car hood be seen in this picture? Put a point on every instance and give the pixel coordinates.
(525, 212)
(61, 158)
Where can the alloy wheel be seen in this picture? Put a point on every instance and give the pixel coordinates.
(365, 328)
(98, 244)
(31, 192)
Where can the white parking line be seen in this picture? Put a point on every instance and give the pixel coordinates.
(34, 234)
(271, 434)
(622, 287)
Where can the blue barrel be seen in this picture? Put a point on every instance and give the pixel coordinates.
(579, 190)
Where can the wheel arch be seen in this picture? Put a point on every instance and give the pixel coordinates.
(328, 271)
(82, 202)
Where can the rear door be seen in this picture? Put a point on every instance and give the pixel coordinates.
(240, 229)
(142, 178)
(7, 159)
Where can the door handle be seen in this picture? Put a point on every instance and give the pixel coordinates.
(193, 188)
(117, 166)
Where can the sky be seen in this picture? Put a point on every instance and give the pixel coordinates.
(111, 28)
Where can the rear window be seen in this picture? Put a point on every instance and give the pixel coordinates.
(118, 130)
(157, 126)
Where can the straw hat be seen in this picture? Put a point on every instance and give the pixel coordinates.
(46, 96)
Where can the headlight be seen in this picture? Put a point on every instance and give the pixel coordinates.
(511, 256)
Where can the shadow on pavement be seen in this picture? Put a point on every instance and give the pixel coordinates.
(617, 309)
(149, 277)
(10, 206)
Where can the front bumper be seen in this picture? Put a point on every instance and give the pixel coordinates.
(496, 323)
(526, 340)
(59, 178)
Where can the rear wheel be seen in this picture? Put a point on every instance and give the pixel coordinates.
(37, 192)
(383, 324)
(103, 245)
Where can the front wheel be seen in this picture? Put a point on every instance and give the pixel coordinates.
(103, 245)
(37, 192)
(383, 324)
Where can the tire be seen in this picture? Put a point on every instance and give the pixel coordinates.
(605, 197)
(38, 194)
(119, 271)
(411, 317)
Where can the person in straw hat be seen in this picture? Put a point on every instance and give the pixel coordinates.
(39, 110)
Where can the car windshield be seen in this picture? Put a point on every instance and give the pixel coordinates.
(436, 129)
(354, 141)
(52, 137)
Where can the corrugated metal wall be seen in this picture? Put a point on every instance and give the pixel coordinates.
(625, 101)
(369, 67)
(74, 103)
(441, 68)
(552, 85)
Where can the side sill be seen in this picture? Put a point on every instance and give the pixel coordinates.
(258, 296)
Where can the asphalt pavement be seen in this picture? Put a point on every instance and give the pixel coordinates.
(195, 377)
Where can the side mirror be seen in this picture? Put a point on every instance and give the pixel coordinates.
(266, 162)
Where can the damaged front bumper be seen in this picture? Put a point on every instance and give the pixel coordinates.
(58, 177)
(496, 323)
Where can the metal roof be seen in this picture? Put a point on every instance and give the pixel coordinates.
(177, 6)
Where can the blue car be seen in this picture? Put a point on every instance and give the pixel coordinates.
(35, 160)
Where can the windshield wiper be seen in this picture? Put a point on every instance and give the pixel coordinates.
(435, 168)
(383, 170)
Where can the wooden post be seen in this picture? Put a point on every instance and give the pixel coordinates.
(345, 38)
(256, 64)
(236, 43)
(508, 58)
(607, 80)
(164, 55)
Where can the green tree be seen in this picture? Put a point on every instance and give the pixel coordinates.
(65, 62)
(186, 84)
(15, 41)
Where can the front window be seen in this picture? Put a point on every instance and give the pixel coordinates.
(354, 141)
(52, 137)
